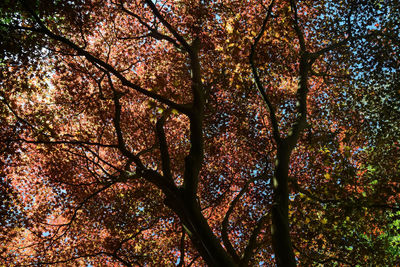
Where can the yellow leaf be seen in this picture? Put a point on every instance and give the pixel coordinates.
(229, 28)
(137, 247)
(219, 48)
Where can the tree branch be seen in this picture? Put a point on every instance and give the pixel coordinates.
(326, 260)
(58, 142)
(162, 141)
(105, 66)
(224, 230)
(296, 26)
(252, 244)
(347, 203)
(182, 250)
(259, 85)
(177, 36)
(101, 253)
(117, 118)
(306, 60)
(339, 44)
(153, 32)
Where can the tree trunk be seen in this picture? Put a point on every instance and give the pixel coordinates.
(281, 242)
(200, 233)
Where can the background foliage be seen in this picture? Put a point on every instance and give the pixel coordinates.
(146, 132)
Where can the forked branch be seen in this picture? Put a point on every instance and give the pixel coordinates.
(96, 61)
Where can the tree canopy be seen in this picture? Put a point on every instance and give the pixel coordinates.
(200, 133)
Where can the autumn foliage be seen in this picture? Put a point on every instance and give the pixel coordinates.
(199, 133)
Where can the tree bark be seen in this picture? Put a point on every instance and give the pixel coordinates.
(281, 241)
(200, 233)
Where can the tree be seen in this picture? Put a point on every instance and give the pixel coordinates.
(219, 133)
